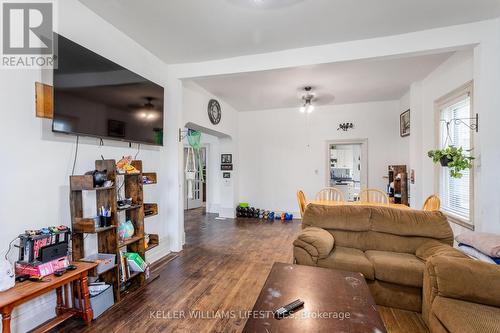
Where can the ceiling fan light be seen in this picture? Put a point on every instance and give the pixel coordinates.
(310, 108)
(302, 109)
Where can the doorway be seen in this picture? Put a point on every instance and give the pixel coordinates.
(347, 167)
(199, 190)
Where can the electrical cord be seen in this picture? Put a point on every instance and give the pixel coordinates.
(76, 155)
(138, 150)
(10, 247)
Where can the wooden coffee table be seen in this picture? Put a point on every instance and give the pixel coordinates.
(334, 301)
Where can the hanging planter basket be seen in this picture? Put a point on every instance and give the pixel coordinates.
(452, 157)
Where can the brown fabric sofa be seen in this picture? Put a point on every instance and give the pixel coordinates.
(461, 295)
(389, 246)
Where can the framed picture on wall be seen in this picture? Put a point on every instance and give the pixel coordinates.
(226, 175)
(226, 167)
(404, 123)
(116, 128)
(226, 158)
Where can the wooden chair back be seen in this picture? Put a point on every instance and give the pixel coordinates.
(330, 194)
(432, 203)
(371, 195)
(301, 199)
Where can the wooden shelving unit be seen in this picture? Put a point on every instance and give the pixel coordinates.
(107, 237)
(150, 209)
(400, 195)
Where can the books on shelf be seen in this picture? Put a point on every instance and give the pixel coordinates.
(130, 262)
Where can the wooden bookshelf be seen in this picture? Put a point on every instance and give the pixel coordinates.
(150, 209)
(400, 195)
(108, 240)
(153, 242)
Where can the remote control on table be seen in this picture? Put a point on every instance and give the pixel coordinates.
(287, 309)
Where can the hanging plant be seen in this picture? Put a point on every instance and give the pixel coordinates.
(453, 158)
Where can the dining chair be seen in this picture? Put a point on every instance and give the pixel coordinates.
(301, 199)
(330, 194)
(371, 195)
(432, 203)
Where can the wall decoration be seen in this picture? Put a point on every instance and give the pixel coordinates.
(214, 111)
(226, 167)
(226, 175)
(116, 128)
(404, 123)
(345, 127)
(226, 158)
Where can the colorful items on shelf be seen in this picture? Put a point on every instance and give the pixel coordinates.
(131, 262)
(124, 166)
(125, 230)
(135, 262)
(43, 251)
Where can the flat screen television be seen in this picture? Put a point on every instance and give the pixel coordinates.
(96, 97)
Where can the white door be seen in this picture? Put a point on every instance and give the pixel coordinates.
(197, 200)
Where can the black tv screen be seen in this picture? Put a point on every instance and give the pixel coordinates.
(94, 96)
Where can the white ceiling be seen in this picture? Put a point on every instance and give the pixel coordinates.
(180, 31)
(337, 83)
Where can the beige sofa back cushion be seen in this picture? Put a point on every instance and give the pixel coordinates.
(379, 228)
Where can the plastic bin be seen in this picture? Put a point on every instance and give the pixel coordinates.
(100, 302)
(107, 261)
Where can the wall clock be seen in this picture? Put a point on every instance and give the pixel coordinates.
(214, 111)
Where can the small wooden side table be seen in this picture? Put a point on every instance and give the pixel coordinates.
(26, 291)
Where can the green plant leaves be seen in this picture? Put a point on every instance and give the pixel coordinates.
(458, 160)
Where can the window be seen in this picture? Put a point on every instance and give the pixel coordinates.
(455, 113)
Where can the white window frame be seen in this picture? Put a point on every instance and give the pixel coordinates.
(440, 104)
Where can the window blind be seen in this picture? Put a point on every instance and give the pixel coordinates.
(456, 192)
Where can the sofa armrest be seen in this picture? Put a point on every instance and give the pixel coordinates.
(435, 248)
(467, 280)
(317, 242)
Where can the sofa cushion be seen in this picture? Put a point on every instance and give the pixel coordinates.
(466, 317)
(400, 268)
(340, 217)
(348, 259)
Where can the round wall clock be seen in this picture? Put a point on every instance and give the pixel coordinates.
(214, 111)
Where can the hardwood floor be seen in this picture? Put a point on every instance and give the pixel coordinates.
(222, 268)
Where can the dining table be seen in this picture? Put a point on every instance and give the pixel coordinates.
(356, 203)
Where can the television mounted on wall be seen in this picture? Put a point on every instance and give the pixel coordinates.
(94, 96)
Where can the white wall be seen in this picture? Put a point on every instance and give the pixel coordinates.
(34, 191)
(482, 65)
(281, 151)
(452, 74)
(195, 102)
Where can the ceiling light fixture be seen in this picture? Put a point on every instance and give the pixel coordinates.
(307, 99)
(147, 111)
